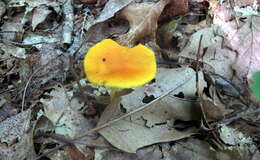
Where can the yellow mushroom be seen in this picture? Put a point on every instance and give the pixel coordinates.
(109, 64)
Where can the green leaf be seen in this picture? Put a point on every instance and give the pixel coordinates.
(255, 84)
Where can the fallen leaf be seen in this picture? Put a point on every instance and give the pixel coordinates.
(212, 109)
(237, 141)
(174, 8)
(6, 109)
(142, 19)
(218, 59)
(16, 33)
(15, 137)
(165, 80)
(15, 51)
(40, 13)
(150, 125)
(106, 29)
(63, 111)
(190, 149)
(243, 39)
(110, 9)
(131, 134)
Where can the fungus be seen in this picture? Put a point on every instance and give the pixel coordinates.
(109, 64)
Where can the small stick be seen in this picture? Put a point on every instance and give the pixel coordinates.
(68, 24)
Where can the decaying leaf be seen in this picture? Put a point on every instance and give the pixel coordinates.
(143, 19)
(175, 7)
(239, 142)
(63, 111)
(15, 137)
(110, 9)
(190, 149)
(15, 30)
(137, 133)
(17, 52)
(212, 109)
(165, 80)
(218, 58)
(246, 42)
(40, 13)
(153, 125)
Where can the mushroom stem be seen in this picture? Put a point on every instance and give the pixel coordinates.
(114, 93)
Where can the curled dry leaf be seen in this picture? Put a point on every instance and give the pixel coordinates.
(39, 15)
(143, 19)
(174, 8)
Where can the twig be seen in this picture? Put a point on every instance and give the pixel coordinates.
(236, 117)
(21, 44)
(68, 24)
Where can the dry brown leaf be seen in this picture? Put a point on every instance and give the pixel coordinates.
(132, 133)
(174, 8)
(154, 124)
(143, 19)
(190, 149)
(212, 109)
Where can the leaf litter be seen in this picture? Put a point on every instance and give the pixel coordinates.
(193, 109)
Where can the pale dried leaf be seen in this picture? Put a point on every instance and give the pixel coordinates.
(109, 11)
(62, 111)
(216, 57)
(40, 13)
(246, 42)
(150, 125)
(130, 135)
(16, 28)
(15, 51)
(165, 80)
(16, 138)
(143, 19)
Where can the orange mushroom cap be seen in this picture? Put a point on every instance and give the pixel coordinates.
(109, 64)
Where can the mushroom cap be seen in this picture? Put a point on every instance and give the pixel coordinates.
(109, 64)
